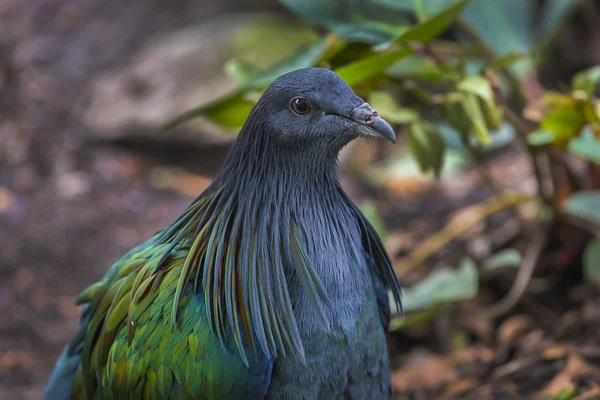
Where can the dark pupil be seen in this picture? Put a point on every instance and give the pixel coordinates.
(301, 105)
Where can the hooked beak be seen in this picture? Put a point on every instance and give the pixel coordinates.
(370, 123)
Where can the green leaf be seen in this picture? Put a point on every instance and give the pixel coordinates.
(504, 26)
(585, 205)
(504, 258)
(389, 110)
(376, 64)
(372, 32)
(477, 85)
(428, 147)
(587, 80)
(306, 57)
(434, 26)
(540, 137)
(369, 67)
(415, 318)
(455, 113)
(443, 286)
(565, 394)
(565, 122)
(422, 8)
(418, 67)
(268, 39)
(506, 60)
(591, 262)
(503, 136)
(239, 71)
(475, 115)
(437, 150)
(355, 20)
(493, 116)
(230, 112)
(419, 145)
(586, 146)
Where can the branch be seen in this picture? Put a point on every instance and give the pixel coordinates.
(523, 277)
(468, 217)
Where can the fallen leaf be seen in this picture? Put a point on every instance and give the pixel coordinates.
(7, 198)
(470, 355)
(591, 394)
(480, 327)
(554, 353)
(423, 370)
(456, 389)
(575, 367)
(513, 328)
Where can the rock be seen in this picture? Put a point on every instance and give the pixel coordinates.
(168, 76)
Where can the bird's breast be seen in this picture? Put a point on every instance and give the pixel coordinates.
(349, 354)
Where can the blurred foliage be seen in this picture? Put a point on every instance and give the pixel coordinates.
(443, 286)
(592, 262)
(460, 77)
(503, 258)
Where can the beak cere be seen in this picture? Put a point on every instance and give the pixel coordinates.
(370, 123)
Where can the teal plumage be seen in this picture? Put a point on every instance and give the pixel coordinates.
(271, 284)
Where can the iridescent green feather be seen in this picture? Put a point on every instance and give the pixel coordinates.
(162, 360)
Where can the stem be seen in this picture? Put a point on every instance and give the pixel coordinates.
(468, 217)
(523, 129)
(523, 277)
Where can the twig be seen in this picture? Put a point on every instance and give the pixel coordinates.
(582, 223)
(590, 14)
(523, 128)
(469, 217)
(448, 49)
(513, 367)
(591, 394)
(523, 276)
(575, 181)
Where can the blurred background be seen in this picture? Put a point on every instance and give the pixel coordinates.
(489, 204)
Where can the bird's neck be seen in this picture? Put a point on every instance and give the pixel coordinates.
(283, 173)
(300, 186)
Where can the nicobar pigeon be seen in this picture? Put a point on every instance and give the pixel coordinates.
(272, 284)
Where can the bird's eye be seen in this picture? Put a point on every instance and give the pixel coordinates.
(301, 106)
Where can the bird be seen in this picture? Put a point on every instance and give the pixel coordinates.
(271, 284)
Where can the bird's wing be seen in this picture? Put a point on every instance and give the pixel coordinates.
(128, 346)
(381, 292)
(382, 270)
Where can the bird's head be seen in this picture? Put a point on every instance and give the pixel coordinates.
(316, 108)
